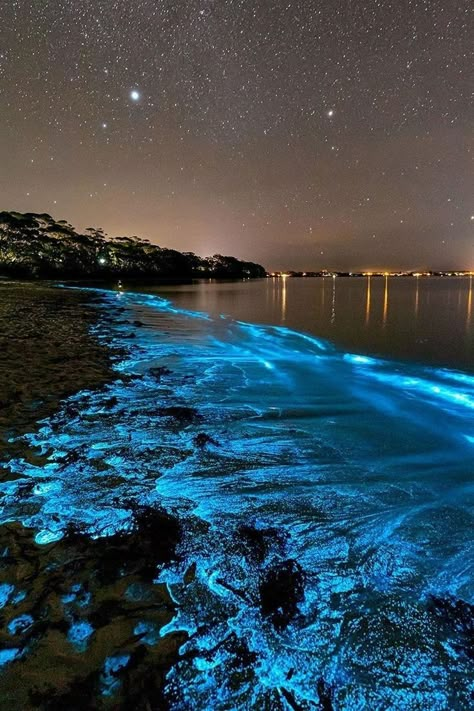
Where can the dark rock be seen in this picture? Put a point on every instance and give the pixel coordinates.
(111, 402)
(202, 439)
(152, 541)
(325, 695)
(281, 589)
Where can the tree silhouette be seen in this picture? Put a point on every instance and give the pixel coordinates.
(36, 246)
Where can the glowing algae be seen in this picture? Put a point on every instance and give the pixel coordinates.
(362, 465)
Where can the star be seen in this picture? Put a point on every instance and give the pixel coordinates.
(135, 95)
(331, 113)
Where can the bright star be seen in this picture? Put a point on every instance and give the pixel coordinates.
(331, 113)
(134, 95)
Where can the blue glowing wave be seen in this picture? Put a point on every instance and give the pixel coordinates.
(364, 465)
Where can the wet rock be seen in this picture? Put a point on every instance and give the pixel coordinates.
(202, 439)
(458, 615)
(152, 541)
(325, 695)
(281, 589)
(158, 530)
(258, 542)
(110, 402)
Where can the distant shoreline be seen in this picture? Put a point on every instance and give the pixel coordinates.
(364, 275)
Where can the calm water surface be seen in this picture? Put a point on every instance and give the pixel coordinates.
(426, 320)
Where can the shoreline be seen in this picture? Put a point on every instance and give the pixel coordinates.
(54, 597)
(47, 353)
(234, 582)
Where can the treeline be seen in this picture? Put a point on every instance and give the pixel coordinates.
(36, 246)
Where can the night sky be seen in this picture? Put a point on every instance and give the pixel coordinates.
(300, 134)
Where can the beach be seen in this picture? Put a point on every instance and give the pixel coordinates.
(236, 516)
(47, 592)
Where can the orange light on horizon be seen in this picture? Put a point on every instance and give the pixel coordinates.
(368, 300)
(385, 302)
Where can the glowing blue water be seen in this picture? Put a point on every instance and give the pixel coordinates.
(364, 465)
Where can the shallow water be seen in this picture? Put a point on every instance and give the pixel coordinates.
(362, 465)
(427, 320)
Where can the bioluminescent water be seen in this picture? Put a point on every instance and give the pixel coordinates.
(282, 453)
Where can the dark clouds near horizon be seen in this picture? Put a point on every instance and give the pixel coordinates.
(300, 134)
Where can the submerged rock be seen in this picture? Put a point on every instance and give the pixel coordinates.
(281, 589)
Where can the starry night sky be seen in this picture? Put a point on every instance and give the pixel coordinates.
(300, 134)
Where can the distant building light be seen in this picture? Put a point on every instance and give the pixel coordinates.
(102, 260)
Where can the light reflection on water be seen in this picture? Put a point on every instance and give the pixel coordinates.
(423, 319)
(364, 464)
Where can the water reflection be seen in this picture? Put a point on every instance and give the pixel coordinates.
(409, 318)
(385, 302)
(367, 301)
(333, 305)
(283, 298)
(469, 306)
